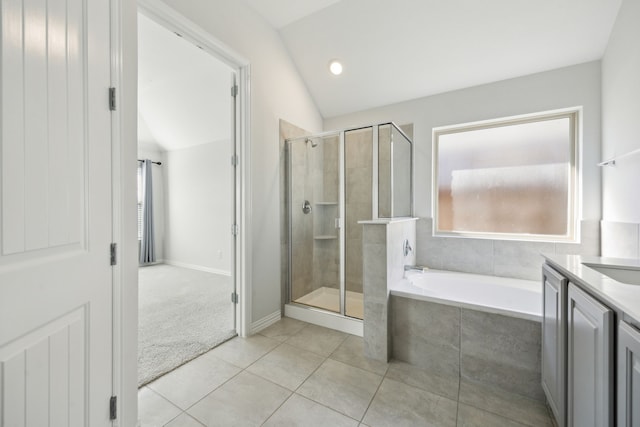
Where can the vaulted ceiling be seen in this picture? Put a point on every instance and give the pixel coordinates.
(392, 51)
(398, 50)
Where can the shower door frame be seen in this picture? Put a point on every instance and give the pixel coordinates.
(339, 221)
(342, 203)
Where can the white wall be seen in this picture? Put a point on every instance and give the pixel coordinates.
(621, 116)
(146, 151)
(566, 87)
(621, 134)
(277, 91)
(198, 207)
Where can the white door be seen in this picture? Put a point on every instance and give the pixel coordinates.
(55, 213)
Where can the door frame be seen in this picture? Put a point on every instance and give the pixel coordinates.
(125, 283)
(170, 19)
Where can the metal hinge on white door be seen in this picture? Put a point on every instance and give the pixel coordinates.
(113, 253)
(234, 90)
(113, 408)
(234, 297)
(235, 160)
(234, 229)
(112, 98)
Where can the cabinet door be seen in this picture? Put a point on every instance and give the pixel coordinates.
(628, 376)
(590, 346)
(554, 344)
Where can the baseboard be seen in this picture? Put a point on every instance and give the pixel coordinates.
(198, 267)
(148, 264)
(265, 322)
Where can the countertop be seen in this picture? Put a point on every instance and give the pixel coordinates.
(621, 297)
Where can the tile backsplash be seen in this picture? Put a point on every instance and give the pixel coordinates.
(506, 258)
(620, 239)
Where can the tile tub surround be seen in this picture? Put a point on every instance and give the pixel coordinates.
(383, 262)
(505, 258)
(484, 348)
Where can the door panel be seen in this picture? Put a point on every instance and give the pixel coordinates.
(47, 366)
(55, 213)
(590, 379)
(628, 375)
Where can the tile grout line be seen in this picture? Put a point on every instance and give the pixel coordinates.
(364, 414)
(295, 392)
(279, 406)
(243, 370)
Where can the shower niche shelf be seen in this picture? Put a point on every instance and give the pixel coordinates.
(325, 224)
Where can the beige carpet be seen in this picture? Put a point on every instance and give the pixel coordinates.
(182, 314)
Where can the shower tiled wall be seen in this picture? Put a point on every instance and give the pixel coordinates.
(358, 176)
(325, 196)
(315, 257)
(505, 258)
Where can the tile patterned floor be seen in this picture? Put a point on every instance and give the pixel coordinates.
(297, 374)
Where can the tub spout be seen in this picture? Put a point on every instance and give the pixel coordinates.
(415, 268)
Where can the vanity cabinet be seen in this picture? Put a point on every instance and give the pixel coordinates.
(628, 398)
(577, 352)
(589, 361)
(554, 341)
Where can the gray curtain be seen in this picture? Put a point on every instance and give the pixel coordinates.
(147, 247)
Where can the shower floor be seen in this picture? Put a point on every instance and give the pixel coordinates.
(329, 299)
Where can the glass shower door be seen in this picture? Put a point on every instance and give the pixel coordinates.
(314, 211)
(358, 169)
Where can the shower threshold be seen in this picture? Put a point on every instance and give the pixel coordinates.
(321, 307)
(329, 299)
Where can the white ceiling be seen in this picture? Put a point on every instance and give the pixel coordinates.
(183, 92)
(406, 49)
(280, 13)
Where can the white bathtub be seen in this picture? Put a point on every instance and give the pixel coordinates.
(512, 297)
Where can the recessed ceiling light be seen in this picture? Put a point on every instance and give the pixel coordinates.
(335, 67)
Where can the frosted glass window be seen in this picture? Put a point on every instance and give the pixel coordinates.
(513, 177)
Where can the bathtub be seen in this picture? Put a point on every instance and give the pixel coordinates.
(500, 295)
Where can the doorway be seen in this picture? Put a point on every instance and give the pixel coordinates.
(186, 200)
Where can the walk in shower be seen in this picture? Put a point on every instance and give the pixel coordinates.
(334, 181)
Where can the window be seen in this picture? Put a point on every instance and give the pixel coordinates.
(512, 178)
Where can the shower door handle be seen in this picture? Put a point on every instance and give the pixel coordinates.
(306, 207)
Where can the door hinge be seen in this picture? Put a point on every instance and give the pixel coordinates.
(235, 160)
(234, 297)
(234, 90)
(234, 229)
(113, 408)
(112, 250)
(112, 98)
